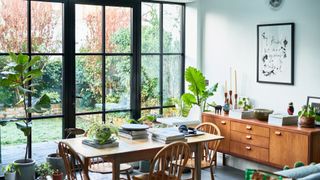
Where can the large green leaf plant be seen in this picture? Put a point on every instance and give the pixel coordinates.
(199, 92)
(19, 75)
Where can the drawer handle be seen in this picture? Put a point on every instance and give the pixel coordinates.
(223, 123)
(248, 148)
(249, 127)
(278, 133)
(248, 137)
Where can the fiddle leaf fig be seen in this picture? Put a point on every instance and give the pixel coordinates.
(24, 127)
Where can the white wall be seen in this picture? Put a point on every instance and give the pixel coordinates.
(228, 38)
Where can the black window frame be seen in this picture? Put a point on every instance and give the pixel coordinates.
(68, 55)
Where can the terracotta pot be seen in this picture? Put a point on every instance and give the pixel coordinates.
(306, 122)
(57, 176)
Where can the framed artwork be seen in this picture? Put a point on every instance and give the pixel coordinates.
(314, 102)
(275, 60)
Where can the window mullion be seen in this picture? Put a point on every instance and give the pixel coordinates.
(161, 57)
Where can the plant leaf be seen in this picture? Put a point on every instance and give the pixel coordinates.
(196, 79)
(41, 105)
(33, 61)
(25, 128)
(189, 99)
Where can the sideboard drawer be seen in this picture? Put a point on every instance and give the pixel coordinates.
(250, 129)
(249, 151)
(250, 139)
(224, 126)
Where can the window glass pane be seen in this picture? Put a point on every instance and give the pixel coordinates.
(118, 119)
(150, 28)
(118, 29)
(46, 27)
(88, 83)
(85, 121)
(44, 133)
(9, 97)
(150, 82)
(13, 26)
(171, 79)
(170, 112)
(88, 28)
(150, 112)
(50, 83)
(118, 73)
(13, 143)
(172, 28)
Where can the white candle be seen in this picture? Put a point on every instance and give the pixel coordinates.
(230, 79)
(235, 81)
(225, 87)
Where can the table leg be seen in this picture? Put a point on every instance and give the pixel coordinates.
(86, 165)
(115, 170)
(223, 159)
(198, 161)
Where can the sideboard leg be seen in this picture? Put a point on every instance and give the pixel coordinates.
(223, 159)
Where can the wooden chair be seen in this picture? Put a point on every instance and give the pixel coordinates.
(99, 165)
(169, 163)
(209, 149)
(72, 162)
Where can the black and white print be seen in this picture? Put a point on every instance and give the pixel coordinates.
(275, 53)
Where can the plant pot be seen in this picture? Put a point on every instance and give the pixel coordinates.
(57, 176)
(10, 176)
(306, 122)
(26, 169)
(56, 162)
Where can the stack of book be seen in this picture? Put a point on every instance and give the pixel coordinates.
(133, 134)
(166, 135)
(282, 119)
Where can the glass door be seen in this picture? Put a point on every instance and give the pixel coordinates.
(104, 63)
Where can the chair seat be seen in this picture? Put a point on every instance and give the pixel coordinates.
(106, 168)
(191, 164)
(145, 176)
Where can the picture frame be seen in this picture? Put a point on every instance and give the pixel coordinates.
(275, 53)
(314, 102)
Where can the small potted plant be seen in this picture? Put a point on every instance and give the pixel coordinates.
(244, 103)
(57, 175)
(102, 133)
(307, 116)
(10, 171)
(43, 171)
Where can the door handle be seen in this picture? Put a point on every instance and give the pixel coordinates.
(223, 122)
(248, 137)
(248, 148)
(248, 127)
(278, 133)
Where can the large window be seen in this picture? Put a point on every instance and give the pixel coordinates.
(162, 61)
(118, 67)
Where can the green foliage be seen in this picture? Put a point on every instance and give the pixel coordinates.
(44, 169)
(197, 86)
(245, 103)
(298, 164)
(10, 168)
(286, 167)
(102, 132)
(150, 118)
(17, 75)
(308, 112)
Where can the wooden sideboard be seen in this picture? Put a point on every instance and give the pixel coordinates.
(261, 142)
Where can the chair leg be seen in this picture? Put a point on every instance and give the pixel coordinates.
(128, 175)
(212, 172)
(192, 174)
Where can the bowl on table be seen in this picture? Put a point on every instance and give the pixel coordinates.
(262, 114)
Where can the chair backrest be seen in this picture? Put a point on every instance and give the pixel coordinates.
(195, 113)
(72, 162)
(169, 162)
(74, 132)
(209, 148)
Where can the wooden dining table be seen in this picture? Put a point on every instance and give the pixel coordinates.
(136, 150)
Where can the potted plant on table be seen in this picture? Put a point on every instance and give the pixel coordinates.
(10, 171)
(102, 133)
(307, 116)
(19, 74)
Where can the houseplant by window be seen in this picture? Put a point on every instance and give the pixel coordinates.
(307, 116)
(199, 93)
(19, 75)
(102, 133)
(10, 171)
(43, 171)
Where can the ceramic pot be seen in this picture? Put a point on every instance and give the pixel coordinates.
(56, 162)
(10, 176)
(306, 122)
(57, 176)
(262, 114)
(26, 169)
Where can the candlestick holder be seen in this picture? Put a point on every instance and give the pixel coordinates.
(226, 98)
(236, 101)
(230, 100)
